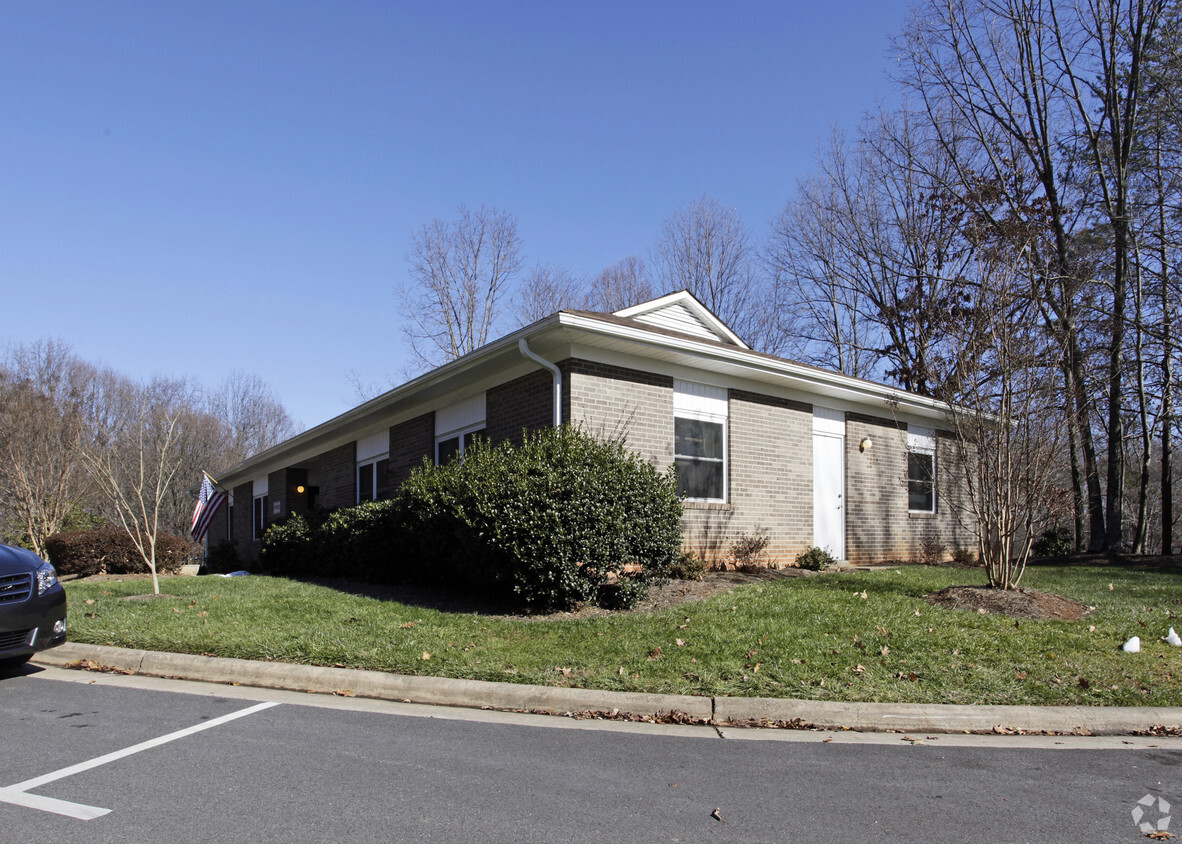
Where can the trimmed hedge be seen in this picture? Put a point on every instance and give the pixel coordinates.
(562, 519)
(110, 550)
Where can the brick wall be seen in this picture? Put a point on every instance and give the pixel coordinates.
(611, 400)
(335, 473)
(243, 532)
(217, 526)
(769, 467)
(410, 442)
(523, 403)
(878, 524)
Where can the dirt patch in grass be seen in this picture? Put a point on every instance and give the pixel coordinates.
(1015, 603)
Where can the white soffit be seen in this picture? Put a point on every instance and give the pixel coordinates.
(828, 421)
(463, 414)
(375, 445)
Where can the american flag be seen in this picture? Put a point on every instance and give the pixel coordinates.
(208, 501)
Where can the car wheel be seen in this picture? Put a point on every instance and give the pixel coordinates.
(12, 663)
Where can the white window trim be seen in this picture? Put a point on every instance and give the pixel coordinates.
(705, 403)
(368, 461)
(921, 440)
(459, 433)
(258, 505)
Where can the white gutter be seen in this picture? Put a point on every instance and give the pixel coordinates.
(524, 348)
(806, 376)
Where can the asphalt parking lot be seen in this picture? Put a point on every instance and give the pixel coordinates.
(127, 759)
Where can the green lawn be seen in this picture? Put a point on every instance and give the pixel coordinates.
(854, 637)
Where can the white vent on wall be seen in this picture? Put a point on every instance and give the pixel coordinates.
(828, 421)
(699, 401)
(463, 414)
(921, 439)
(373, 446)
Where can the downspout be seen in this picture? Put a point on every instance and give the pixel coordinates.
(524, 348)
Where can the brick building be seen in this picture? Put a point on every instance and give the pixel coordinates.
(762, 445)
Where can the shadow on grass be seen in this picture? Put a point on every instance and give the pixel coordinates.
(427, 597)
(1127, 562)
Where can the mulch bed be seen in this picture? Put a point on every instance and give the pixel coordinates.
(1015, 603)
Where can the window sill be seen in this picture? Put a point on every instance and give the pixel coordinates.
(921, 514)
(703, 504)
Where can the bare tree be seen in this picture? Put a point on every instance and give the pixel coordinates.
(869, 254)
(460, 272)
(991, 68)
(622, 285)
(705, 248)
(135, 457)
(1004, 412)
(43, 390)
(545, 290)
(252, 418)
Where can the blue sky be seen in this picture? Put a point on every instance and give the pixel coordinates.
(192, 188)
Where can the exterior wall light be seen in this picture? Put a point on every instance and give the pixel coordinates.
(300, 489)
(866, 444)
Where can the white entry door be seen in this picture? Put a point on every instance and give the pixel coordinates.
(829, 493)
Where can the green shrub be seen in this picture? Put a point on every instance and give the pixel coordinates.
(552, 522)
(110, 550)
(815, 559)
(223, 558)
(687, 566)
(1054, 543)
(559, 520)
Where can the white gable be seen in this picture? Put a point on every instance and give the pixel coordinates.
(682, 313)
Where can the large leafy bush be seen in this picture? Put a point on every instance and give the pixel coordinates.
(110, 550)
(561, 519)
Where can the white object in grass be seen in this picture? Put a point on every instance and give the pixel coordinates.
(1173, 639)
(1132, 646)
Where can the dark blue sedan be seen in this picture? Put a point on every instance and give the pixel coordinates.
(32, 607)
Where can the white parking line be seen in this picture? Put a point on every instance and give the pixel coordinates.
(16, 795)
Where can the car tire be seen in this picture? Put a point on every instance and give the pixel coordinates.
(12, 663)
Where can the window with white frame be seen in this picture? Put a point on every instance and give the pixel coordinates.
(261, 506)
(699, 440)
(373, 467)
(457, 426)
(921, 469)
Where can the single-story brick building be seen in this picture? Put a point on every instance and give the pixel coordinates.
(762, 445)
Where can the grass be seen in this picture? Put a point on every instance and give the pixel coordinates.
(851, 637)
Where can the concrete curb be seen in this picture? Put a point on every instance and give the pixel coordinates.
(866, 717)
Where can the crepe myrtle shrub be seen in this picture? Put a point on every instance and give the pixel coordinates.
(561, 519)
(110, 550)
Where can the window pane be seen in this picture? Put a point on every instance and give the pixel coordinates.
(471, 437)
(697, 438)
(382, 478)
(446, 450)
(365, 482)
(699, 478)
(260, 516)
(921, 486)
